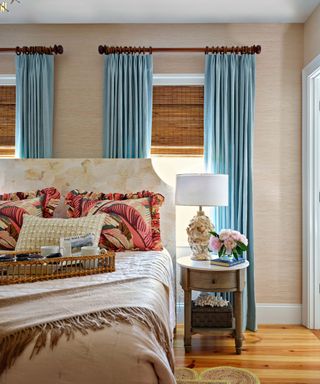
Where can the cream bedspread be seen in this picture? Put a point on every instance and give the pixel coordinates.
(134, 347)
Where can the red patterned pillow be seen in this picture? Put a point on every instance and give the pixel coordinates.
(50, 198)
(11, 218)
(132, 222)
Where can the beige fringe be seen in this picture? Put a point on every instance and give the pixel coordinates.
(12, 346)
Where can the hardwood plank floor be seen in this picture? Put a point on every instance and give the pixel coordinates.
(276, 354)
(317, 333)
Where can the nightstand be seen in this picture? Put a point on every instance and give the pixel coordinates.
(202, 276)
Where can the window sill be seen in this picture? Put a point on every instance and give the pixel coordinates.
(7, 152)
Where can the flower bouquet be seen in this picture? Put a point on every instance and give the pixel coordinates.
(228, 244)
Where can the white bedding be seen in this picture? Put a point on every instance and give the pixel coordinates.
(122, 353)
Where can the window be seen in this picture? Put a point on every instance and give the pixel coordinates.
(177, 136)
(177, 121)
(7, 116)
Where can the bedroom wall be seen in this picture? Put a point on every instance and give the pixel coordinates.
(277, 144)
(312, 36)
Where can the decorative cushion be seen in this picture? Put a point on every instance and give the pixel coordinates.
(36, 232)
(11, 218)
(132, 221)
(50, 198)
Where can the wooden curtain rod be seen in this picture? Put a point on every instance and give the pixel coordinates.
(56, 49)
(254, 49)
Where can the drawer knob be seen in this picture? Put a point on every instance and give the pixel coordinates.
(213, 281)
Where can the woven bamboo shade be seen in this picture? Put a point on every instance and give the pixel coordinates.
(177, 122)
(7, 120)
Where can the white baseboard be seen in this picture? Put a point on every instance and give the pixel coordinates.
(267, 313)
(279, 313)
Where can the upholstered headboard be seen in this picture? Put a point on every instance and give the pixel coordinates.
(105, 175)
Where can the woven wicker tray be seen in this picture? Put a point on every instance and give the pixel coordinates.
(16, 272)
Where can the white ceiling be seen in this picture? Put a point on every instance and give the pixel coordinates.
(159, 11)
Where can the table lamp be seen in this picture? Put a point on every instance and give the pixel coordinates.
(202, 189)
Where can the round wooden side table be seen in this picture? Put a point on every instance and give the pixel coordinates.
(203, 276)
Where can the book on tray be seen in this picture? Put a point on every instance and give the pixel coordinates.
(227, 263)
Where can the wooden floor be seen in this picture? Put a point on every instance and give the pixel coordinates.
(276, 354)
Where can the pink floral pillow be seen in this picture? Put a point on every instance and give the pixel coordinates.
(50, 198)
(132, 222)
(11, 219)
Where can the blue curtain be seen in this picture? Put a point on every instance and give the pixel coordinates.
(34, 105)
(228, 140)
(127, 105)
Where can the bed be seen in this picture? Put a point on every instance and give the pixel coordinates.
(130, 340)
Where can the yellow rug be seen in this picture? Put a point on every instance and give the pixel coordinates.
(218, 375)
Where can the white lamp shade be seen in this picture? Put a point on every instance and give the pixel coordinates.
(205, 189)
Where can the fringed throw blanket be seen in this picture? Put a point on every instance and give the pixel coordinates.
(41, 313)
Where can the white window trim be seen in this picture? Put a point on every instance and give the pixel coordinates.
(7, 79)
(178, 79)
(310, 197)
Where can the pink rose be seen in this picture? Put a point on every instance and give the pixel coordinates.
(225, 234)
(215, 244)
(244, 240)
(230, 244)
(236, 235)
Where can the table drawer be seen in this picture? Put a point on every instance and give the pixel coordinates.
(210, 280)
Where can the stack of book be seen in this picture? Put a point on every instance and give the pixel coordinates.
(227, 263)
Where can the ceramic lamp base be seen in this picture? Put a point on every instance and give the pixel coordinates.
(201, 257)
(198, 236)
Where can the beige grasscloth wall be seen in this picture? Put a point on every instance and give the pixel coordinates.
(312, 36)
(277, 143)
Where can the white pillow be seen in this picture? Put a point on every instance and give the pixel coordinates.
(36, 232)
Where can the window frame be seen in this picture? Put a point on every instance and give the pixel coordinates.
(183, 79)
(7, 80)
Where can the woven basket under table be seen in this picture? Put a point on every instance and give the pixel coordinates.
(211, 317)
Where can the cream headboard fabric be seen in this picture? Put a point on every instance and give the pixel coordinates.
(105, 175)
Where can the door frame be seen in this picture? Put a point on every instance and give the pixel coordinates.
(311, 195)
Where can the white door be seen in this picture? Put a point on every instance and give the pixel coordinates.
(317, 183)
(311, 195)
